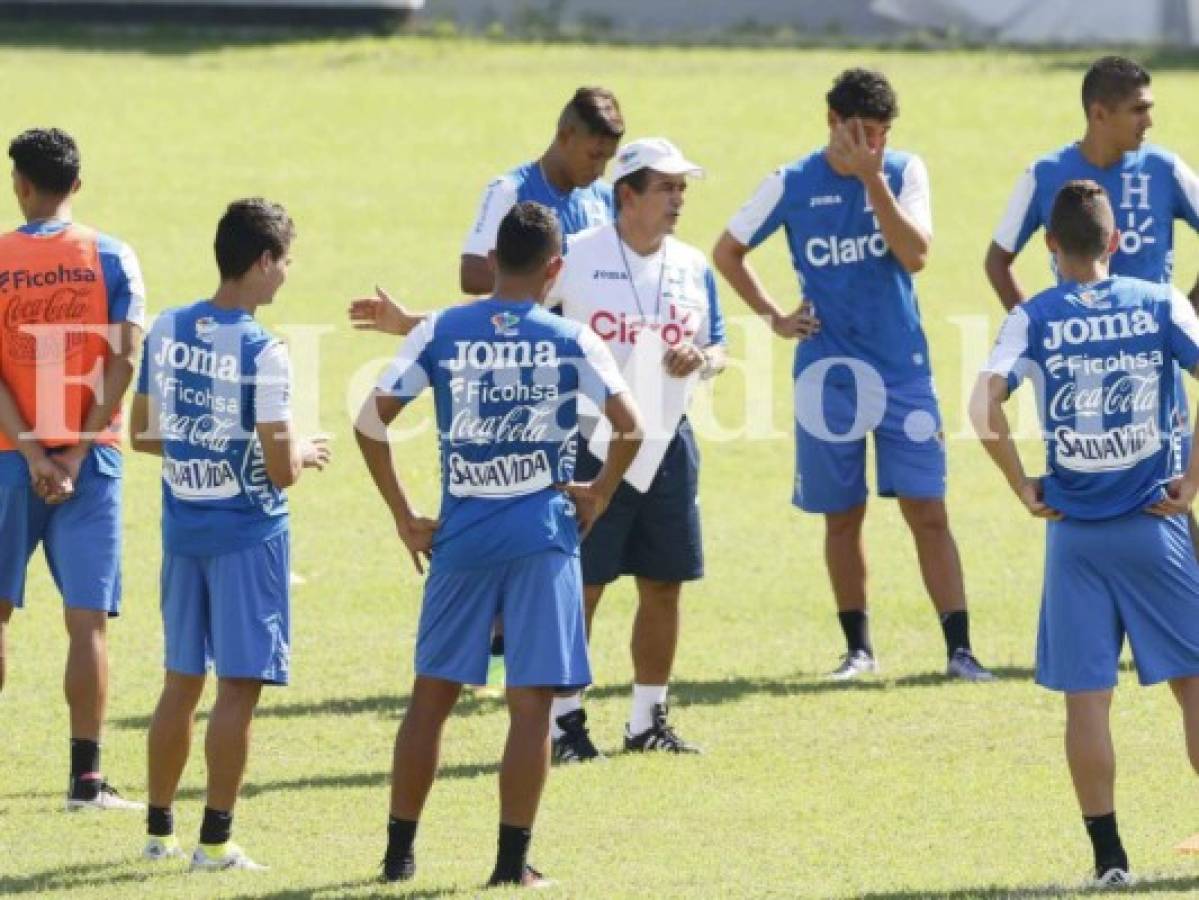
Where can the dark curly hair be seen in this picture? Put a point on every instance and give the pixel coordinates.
(863, 94)
(1111, 79)
(528, 236)
(48, 157)
(248, 229)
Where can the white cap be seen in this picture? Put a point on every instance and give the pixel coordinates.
(658, 154)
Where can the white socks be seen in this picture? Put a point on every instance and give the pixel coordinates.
(560, 707)
(645, 697)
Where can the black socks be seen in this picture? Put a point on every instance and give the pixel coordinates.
(856, 625)
(512, 855)
(85, 761)
(216, 827)
(399, 863)
(956, 626)
(160, 821)
(1105, 840)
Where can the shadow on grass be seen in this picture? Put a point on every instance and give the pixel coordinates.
(340, 889)
(1183, 885)
(82, 875)
(692, 693)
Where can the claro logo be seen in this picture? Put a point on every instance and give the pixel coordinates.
(837, 251)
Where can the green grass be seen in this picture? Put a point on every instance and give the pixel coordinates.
(906, 788)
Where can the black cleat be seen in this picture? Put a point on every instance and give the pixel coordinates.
(658, 737)
(529, 878)
(574, 746)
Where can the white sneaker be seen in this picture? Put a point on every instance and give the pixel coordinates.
(853, 666)
(965, 666)
(160, 848)
(1112, 878)
(229, 856)
(107, 797)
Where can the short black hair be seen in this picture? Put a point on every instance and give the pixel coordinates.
(1082, 221)
(1112, 79)
(528, 236)
(48, 157)
(863, 94)
(249, 228)
(594, 110)
(637, 182)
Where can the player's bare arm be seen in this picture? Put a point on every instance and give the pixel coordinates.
(1181, 492)
(998, 266)
(125, 339)
(591, 498)
(382, 313)
(51, 481)
(992, 427)
(730, 258)
(287, 455)
(145, 434)
(370, 430)
(851, 152)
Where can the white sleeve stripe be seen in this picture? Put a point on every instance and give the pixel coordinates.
(747, 220)
(1188, 183)
(272, 395)
(1182, 316)
(1010, 345)
(410, 350)
(1008, 232)
(137, 286)
(498, 197)
(915, 194)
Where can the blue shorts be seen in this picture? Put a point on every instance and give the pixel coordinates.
(540, 600)
(1136, 576)
(652, 535)
(230, 612)
(830, 444)
(81, 539)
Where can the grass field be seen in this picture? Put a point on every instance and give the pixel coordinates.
(907, 787)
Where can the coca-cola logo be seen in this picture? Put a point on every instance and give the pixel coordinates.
(30, 326)
(1127, 395)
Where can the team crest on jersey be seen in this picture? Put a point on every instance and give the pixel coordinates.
(505, 324)
(206, 328)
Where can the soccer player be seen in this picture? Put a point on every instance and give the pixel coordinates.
(1118, 558)
(859, 225)
(620, 280)
(213, 400)
(508, 378)
(565, 178)
(72, 308)
(1149, 187)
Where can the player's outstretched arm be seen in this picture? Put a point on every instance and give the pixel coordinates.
(382, 313)
(370, 430)
(992, 427)
(730, 258)
(998, 266)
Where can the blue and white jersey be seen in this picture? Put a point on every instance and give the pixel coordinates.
(1149, 188)
(864, 297)
(508, 379)
(618, 292)
(1102, 358)
(577, 209)
(213, 375)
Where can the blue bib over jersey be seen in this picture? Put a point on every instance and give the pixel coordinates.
(200, 369)
(507, 379)
(864, 297)
(1149, 188)
(1102, 358)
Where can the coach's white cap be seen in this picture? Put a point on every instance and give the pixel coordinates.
(658, 154)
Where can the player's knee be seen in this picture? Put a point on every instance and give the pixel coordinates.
(926, 516)
(845, 525)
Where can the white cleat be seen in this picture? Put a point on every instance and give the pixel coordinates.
(158, 849)
(1112, 878)
(853, 666)
(107, 797)
(964, 666)
(225, 857)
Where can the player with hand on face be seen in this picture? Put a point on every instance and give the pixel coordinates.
(214, 401)
(858, 221)
(1118, 557)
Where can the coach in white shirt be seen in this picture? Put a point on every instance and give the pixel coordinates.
(624, 279)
